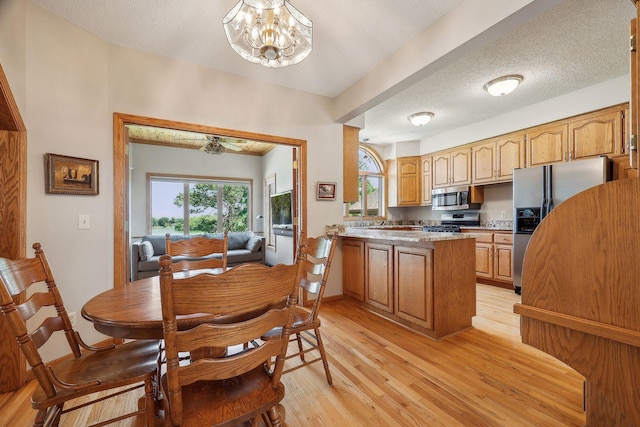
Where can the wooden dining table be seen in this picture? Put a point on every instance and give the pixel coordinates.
(134, 311)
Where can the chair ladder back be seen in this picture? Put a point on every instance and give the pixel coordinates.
(198, 247)
(321, 251)
(245, 303)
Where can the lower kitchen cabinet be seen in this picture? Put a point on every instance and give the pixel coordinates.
(378, 275)
(413, 283)
(494, 256)
(353, 268)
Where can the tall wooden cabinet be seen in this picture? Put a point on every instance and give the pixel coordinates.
(13, 207)
(409, 179)
(426, 180)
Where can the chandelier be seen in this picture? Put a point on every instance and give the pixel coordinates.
(269, 32)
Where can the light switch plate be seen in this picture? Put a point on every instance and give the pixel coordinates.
(84, 222)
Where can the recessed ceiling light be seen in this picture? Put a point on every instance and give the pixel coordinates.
(419, 119)
(503, 85)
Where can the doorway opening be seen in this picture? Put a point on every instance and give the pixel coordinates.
(121, 141)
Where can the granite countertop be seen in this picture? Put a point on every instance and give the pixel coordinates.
(405, 236)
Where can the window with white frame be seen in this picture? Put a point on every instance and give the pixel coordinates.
(187, 205)
(371, 202)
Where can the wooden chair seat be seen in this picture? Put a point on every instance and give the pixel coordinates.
(240, 398)
(134, 361)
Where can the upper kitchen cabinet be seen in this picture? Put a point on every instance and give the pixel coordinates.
(409, 178)
(426, 179)
(547, 144)
(495, 159)
(597, 134)
(451, 168)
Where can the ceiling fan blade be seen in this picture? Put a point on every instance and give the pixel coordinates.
(230, 146)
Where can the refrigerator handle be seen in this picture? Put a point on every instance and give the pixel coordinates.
(549, 189)
(543, 207)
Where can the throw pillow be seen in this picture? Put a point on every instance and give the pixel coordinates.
(253, 244)
(145, 251)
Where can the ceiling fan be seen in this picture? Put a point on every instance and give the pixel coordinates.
(218, 145)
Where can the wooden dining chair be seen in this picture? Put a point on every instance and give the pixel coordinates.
(88, 369)
(306, 323)
(248, 300)
(197, 247)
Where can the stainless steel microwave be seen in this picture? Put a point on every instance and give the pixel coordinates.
(456, 198)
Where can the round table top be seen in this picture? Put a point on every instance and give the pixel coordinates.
(135, 310)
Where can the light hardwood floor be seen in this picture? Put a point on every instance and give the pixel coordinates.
(387, 375)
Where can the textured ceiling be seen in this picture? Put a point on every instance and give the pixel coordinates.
(568, 45)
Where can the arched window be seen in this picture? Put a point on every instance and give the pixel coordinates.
(371, 192)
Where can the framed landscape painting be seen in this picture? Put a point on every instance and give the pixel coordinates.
(71, 175)
(326, 191)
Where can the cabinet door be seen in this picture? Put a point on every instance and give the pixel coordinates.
(409, 181)
(509, 156)
(426, 180)
(483, 166)
(353, 268)
(595, 135)
(503, 263)
(413, 269)
(378, 275)
(460, 167)
(441, 167)
(484, 260)
(547, 144)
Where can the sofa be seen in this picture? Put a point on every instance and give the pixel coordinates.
(244, 246)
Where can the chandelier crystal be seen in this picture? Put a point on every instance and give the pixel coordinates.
(269, 32)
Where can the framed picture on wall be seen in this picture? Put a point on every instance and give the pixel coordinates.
(326, 191)
(71, 175)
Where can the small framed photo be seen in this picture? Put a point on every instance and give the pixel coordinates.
(326, 191)
(71, 175)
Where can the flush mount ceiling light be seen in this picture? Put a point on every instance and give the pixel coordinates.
(269, 32)
(503, 85)
(419, 119)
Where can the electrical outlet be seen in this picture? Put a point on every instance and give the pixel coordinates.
(503, 214)
(72, 318)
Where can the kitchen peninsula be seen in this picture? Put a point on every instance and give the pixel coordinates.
(425, 281)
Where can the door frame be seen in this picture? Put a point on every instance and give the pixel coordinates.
(121, 246)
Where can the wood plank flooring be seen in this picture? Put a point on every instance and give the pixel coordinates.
(387, 375)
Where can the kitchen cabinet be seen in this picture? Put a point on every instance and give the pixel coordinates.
(547, 144)
(413, 270)
(596, 134)
(452, 168)
(426, 180)
(494, 256)
(353, 268)
(378, 275)
(410, 278)
(409, 178)
(494, 160)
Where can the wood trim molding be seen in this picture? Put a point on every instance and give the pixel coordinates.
(120, 152)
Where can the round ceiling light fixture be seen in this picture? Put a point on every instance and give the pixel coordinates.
(419, 119)
(503, 85)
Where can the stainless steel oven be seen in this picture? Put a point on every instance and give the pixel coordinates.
(454, 198)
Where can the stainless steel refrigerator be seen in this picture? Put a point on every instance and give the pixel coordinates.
(537, 190)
